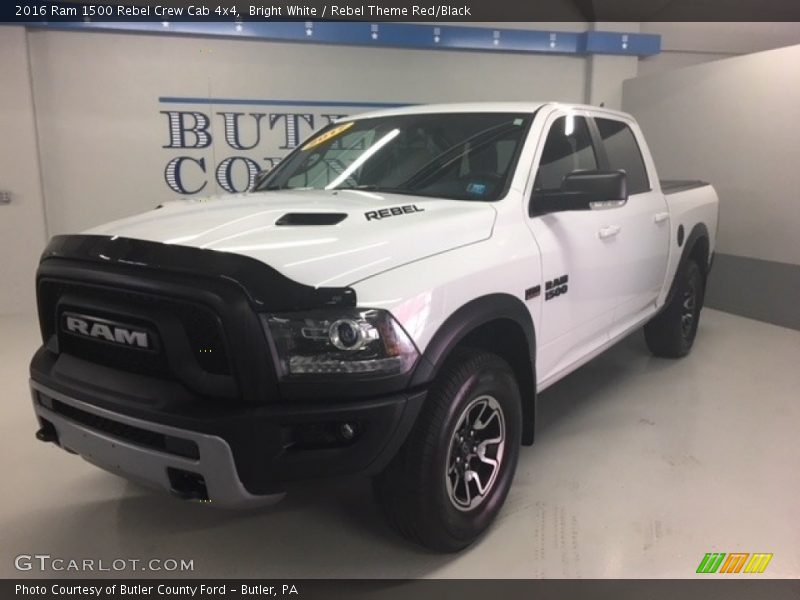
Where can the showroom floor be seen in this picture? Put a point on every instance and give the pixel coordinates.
(641, 466)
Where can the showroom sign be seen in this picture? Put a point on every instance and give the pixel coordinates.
(224, 143)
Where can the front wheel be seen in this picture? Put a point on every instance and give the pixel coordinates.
(452, 475)
(671, 333)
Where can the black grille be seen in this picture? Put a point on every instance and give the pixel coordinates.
(205, 338)
(129, 433)
(203, 308)
(115, 356)
(198, 323)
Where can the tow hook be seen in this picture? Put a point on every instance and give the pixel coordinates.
(47, 433)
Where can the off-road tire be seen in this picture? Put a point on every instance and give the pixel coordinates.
(416, 490)
(671, 333)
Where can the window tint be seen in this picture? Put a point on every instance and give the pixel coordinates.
(623, 153)
(568, 148)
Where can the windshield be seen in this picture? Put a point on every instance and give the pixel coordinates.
(464, 156)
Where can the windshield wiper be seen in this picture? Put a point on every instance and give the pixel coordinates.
(371, 187)
(269, 188)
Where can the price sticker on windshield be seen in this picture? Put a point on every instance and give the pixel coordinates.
(330, 134)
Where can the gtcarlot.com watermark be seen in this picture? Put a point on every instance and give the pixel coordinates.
(45, 563)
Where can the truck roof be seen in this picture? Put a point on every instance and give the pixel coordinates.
(477, 107)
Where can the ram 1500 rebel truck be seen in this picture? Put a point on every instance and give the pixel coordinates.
(388, 300)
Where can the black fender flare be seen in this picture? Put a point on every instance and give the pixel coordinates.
(467, 319)
(698, 232)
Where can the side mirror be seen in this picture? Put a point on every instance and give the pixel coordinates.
(582, 190)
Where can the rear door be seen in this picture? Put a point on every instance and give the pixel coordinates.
(642, 242)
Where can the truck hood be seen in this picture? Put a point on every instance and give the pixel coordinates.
(316, 237)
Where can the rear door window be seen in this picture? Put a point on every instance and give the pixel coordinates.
(623, 153)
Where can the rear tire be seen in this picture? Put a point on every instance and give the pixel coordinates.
(671, 333)
(451, 477)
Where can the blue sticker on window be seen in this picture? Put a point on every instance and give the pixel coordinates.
(479, 189)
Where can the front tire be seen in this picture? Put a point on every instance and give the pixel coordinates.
(671, 333)
(451, 477)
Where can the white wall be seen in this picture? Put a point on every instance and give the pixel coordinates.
(734, 123)
(22, 230)
(101, 131)
(686, 44)
(605, 72)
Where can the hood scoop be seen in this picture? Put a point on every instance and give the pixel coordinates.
(311, 218)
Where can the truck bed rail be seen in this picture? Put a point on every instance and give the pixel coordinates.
(673, 186)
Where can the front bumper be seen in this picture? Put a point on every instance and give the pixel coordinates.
(209, 467)
(214, 470)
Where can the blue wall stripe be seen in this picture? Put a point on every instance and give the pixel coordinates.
(395, 35)
(260, 102)
(606, 42)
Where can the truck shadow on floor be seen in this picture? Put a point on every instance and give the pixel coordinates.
(594, 380)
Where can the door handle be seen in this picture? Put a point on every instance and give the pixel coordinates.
(660, 217)
(609, 231)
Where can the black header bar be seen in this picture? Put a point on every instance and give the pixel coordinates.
(431, 11)
(714, 587)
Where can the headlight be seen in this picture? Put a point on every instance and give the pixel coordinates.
(327, 344)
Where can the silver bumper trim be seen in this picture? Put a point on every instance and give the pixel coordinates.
(147, 465)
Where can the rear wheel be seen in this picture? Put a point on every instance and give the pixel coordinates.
(452, 475)
(671, 333)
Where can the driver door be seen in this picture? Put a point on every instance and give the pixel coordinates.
(580, 263)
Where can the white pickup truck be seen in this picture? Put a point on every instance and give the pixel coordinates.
(388, 300)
